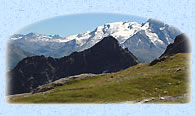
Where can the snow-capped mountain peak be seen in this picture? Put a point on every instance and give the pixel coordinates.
(35, 37)
(141, 39)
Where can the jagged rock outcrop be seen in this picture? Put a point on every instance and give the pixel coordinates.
(105, 56)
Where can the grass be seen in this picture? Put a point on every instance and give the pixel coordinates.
(167, 78)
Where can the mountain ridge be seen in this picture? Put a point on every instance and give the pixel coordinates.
(104, 57)
(157, 33)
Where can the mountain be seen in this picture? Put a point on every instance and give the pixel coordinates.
(15, 54)
(165, 32)
(154, 37)
(141, 39)
(39, 44)
(181, 45)
(104, 57)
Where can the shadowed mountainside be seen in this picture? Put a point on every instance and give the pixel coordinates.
(180, 45)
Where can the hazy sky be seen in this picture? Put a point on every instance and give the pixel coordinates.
(74, 24)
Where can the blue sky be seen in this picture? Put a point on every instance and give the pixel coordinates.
(74, 24)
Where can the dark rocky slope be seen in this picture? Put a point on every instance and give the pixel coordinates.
(105, 56)
(181, 45)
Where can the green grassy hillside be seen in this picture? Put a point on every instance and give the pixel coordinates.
(166, 78)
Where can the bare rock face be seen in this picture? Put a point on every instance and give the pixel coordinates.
(104, 57)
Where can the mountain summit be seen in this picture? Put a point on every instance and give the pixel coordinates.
(104, 57)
